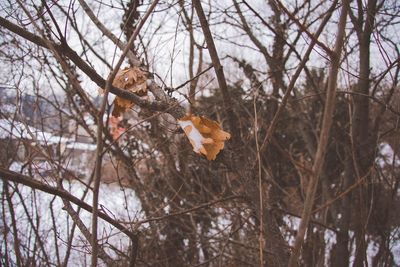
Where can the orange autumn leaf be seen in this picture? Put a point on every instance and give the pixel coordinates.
(116, 129)
(131, 79)
(205, 135)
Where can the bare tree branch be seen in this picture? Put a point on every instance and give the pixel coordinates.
(31, 182)
(324, 135)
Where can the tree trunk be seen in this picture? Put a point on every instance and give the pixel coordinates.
(361, 136)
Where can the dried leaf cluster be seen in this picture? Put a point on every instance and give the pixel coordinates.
(131, 79)
(205, 135)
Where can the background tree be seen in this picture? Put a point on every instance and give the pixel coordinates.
(308, 91)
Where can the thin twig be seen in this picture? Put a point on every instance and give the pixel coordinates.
(11, 210)
(100, 126)
(205, 205)
(303, 28)
(194, 78)
(85, 231)
(261, 236)
(348, 190)
(380, 102)
(121, 45)
(219, 72)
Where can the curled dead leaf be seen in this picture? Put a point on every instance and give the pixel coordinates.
(131, 79)
(205, 135)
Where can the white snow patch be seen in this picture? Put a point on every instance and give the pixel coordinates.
(18, 130)
(81, 146)
(292, 223)
(15, 129)
(386, 156)
(395, 245)
(330, 240)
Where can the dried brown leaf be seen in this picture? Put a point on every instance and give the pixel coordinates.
(131, 79)
(205, 135)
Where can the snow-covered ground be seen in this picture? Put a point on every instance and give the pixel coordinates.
(19, 130)
(118, 203)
